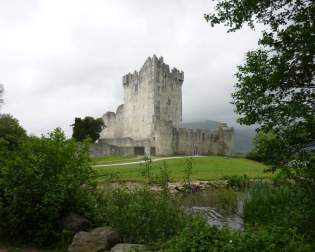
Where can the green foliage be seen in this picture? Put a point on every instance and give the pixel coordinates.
(265, 145)
(40, 182)
(227, 200)
(285, 205)
(146, 171)
(199, 236)
(164, 177)
(87, 127)
(266, 204)
(11, 133)
(188, 171)
(275, 87)
(237, 182)
(142, 216)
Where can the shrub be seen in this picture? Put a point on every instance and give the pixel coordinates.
(267, 204)
(237, 182)
(272, 238)
(142, 216)
(41, 182)
(188, 171)
(199, 236)
(146, 170)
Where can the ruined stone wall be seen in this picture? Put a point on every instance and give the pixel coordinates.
(109, 119)
(163, 138)
(169, 140)
(193, 141)
(203, 141)
(102, 148)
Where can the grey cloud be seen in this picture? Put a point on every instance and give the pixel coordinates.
(61, 59)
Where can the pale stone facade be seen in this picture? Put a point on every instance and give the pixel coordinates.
(150, 119)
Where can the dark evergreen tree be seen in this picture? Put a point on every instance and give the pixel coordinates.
(87, 127)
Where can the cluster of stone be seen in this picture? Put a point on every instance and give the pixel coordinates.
(89, 239)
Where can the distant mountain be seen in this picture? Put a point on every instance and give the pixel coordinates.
(243, 136)
(208, 124)
(243, 139)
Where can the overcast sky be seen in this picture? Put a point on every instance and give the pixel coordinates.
(61, 59)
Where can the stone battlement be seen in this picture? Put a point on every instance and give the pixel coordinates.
(152, 68)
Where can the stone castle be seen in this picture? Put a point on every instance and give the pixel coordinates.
(149, 121)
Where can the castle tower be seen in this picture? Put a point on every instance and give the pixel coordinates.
(167, 92)
(152, 94)
(149, 121)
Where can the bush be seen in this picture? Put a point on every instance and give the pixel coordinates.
(272, 238)
(142, 216)
(267, 204)
(199, 236)
(237, 182)
(267, 147)
(40, 182)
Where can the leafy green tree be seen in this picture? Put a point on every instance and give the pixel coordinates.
(41, 182)
(11, 133)
(87, 127)
(264, 147)
(276, 86)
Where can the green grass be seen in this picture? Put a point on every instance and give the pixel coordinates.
(204, 168)
(115, 159)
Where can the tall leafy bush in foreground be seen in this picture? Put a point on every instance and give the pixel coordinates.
(41, 181)
(143, 216)
(199, 236)
(282, 206)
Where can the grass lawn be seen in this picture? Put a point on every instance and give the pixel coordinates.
(204, 168)
(115, 159)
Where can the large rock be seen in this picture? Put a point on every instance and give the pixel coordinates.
(97, 240)
(76, 223)
(127, 247)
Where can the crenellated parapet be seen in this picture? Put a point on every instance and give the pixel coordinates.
(152, 69)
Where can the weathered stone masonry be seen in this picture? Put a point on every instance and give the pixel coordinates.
(150, 119)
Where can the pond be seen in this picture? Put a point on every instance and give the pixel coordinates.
(220, 207)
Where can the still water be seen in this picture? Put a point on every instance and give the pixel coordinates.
(220, 207)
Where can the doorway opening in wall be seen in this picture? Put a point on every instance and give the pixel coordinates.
(195, 151)
(139, 151)
(152, 151)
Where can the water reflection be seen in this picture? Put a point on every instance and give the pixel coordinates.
(220, 207)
